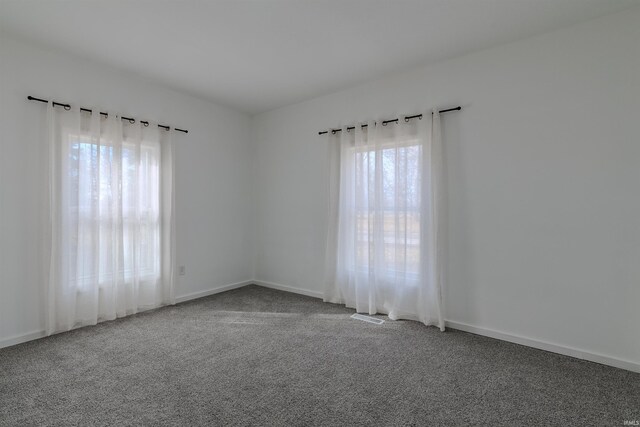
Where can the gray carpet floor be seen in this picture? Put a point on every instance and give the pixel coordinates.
(256, 356)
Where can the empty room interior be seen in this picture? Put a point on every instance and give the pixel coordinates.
(320, 213)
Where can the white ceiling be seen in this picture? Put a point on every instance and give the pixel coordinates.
(259, 55)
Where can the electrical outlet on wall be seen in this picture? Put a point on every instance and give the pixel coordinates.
(182, 270)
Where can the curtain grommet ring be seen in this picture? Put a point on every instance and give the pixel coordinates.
(333, 132)
(132, 121)
(406, 120)
(67, 107)
(146, 124)
(384, 123)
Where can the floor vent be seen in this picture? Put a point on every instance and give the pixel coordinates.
(367, 319)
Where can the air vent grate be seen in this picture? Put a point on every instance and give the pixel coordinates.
(367, 319)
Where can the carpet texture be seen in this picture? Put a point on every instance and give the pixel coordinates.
(256, 356)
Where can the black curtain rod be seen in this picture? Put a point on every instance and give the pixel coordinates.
(68, 107)
(406, 119)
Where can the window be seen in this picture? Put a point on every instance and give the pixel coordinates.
(390, 174)
(110, 244)
(111, 188)
(382, 243)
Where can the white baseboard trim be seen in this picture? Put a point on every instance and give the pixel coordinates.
(206, 293)
(547, 346)
(286, 288)
(517, 339)
(529, 342)
(19, 339)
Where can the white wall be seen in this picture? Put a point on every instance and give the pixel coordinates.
(543, 167)
(213, 187)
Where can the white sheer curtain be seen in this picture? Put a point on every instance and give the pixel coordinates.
(110, 245)
(384, 243)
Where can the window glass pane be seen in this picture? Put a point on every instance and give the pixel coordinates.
(113, 199)
(387, 230)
